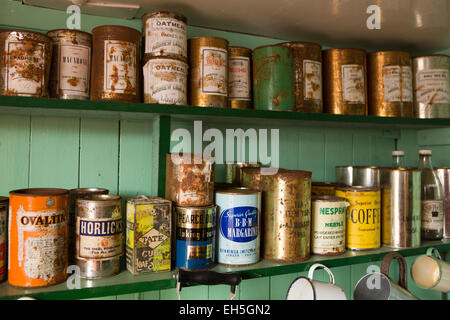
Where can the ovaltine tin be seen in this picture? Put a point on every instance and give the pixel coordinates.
(3, 235)
(239, 217)
(366, 176)
(165, 80)
(99, 231)
(149, 231)
(273, 78)
(363, 218)
(389, 83)
(38, 235)
(307, 75)
(444, 176)
(251, 178)
(287, 215)
(324, 188)
(25, 63)
(115, 64)
(328, 225)
(195, 236)
(208, 60)
(233, 171)
(239, 78)
(71, 65)
(190, 179)
(344, 81)
(165, 34)
(431, 86)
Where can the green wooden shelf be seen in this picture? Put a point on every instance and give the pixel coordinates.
(125, 282)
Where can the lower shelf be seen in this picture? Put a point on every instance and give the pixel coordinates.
(125, 282)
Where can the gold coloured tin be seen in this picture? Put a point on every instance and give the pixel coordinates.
(239, 78)
(233, 171)
(324, 188)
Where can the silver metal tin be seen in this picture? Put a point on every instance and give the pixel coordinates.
(444, 176)
(366, 176)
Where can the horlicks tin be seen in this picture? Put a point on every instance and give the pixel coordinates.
(239, 226)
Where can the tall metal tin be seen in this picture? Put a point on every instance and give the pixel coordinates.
(344, 175)
(344, 81)
(400, 211)
(273, 78)
(165, 34)
(208, 60)
(324, 188)
(307, 76)
(239, 226)
(116, 60)
(233, 171)
(444, 176)
(99, 230)
(389, 81)
(251, 178)
(195, 237)
(287, 215)
(25, 64)
(363, 218)
(3, 235)
(239, 78)
(431, 86)
(71, 65)
(38, 235)
(366, 176)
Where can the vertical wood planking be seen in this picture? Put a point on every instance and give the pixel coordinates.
(279, 285)
(338, 151)
(221, 292)
(255, 289)
(187, 293)
(312, 153)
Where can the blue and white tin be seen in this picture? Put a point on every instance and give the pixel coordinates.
(239, 226)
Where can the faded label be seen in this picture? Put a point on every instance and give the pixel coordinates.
(214, 71)
(432, 215)
(73, 69)
(312, 87)
(353, 83)
(433, 86)
(120, 67)
(239, 78)
(397, 82)
(165, 35)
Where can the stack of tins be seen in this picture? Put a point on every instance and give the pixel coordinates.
(38, 235)
(3, 234)
(239, 78)
(115, 64)
(99, 240)
(26, 63)
(233, 171)
(190, 185)
(345, 84)
(165, 68)
(444, 176)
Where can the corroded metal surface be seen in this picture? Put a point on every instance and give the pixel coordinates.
(251, 178)
(233, 171)
(240, 78)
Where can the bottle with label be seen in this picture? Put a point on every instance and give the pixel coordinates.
(431, 199)
(398, 159)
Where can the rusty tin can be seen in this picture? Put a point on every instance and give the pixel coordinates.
(165, 34)
(251, 178)
(190, 179)
(99, 231)
(195, 243)
(208, 60)
(287, 215)
(363, 218)
(25, 63)
(115, 64)
(307, 76)
(165, 80)
(431, 82)
(344, 81)
(233, 171)
(444, 176)
(325, 188)
(389, 84)
(71, 65)
(328, 225)
(149, 231)
(239, 78)
(38, 236)
(3, 235)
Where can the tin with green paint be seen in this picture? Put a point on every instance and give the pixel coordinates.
(273, 78)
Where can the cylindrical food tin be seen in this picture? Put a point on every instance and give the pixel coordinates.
(71, 65)
(190, 179)
(165, 34)
(38, 235)
(366, 176)
(431, 86)
(389, 81)
(239, 78)
(115, 64)
(400, 210)
(307, 76)
(444, 176)
(287, 215)
(233, 171)
(195, 237)
(251, 178)
(273, 78)
(344, 81)
(363, 219)
(25, 63)
(208, 61)
(165, 80)
(239, 226)
(325, 188)
(99, 231)
(3, 235)
(328, 225)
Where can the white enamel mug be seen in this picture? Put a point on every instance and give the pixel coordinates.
(431, 272)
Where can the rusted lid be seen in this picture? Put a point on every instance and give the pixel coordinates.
(328, 198)
(143, 199)
(115, 28)
(358, 188)
(195, 208)
(87, 190)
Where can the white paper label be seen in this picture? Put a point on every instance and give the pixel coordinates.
(165, 35)
(432, 86)
(74, 67)
(432, 214)
(312, 71)
(397, 88)
(120, 67)
(214, 71)
(353, 83)
(239, 78)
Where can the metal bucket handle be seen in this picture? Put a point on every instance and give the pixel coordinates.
(433, 252)
(318, 265)
(403, 268)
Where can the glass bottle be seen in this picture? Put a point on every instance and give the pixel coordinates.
(432, 211)
(398, 159)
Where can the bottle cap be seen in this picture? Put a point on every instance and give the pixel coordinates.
(398, 153)
(425, 152)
